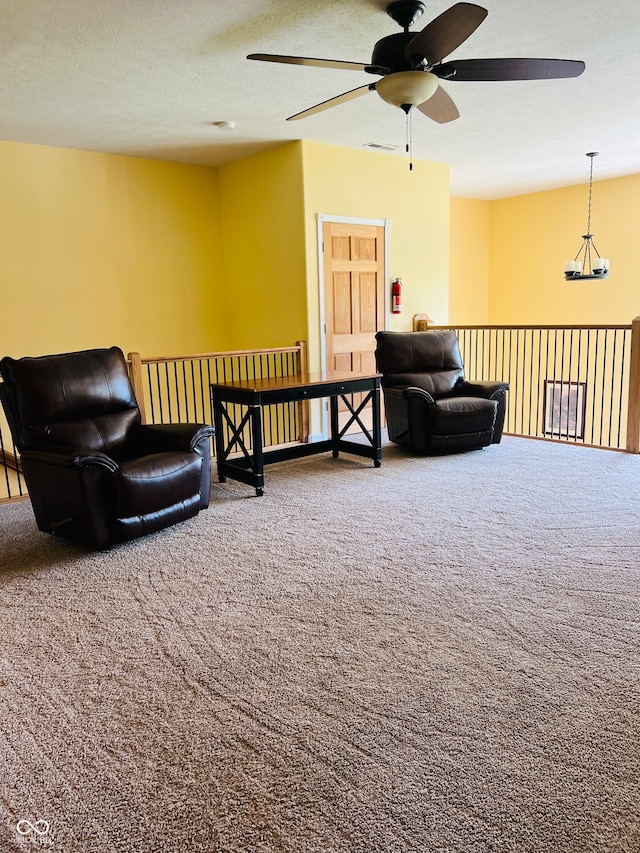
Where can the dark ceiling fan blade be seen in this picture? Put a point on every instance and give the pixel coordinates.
(509, 69)
(445, 33)
(440, 107)
(306, 60)
(333, 102)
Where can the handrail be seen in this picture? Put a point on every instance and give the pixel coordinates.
(421, 326)
(222, 354)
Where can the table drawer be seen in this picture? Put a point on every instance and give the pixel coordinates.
(293, 394)
(313, 392)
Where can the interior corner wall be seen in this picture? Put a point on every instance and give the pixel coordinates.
(532, 236)
(264, 297)
(369, 185)
(100, 249)
(470, 229)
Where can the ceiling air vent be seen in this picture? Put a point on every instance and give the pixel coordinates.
(377, 146)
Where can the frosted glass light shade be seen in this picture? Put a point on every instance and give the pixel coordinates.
(407, 87)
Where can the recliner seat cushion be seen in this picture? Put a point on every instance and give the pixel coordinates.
(152, 483)
(461, 415)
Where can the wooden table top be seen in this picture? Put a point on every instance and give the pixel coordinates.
(270, 383)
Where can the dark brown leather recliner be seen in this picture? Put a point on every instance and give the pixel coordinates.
(430, 406)
(94, 472)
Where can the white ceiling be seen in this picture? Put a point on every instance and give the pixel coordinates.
(149, 78)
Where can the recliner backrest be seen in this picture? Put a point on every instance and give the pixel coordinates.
(429, 360)
(80, 399)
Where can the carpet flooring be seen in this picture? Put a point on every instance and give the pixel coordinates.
(442, 654)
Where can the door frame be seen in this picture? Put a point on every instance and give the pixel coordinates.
(321, 218)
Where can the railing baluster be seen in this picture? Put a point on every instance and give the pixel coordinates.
(613, 362)
(160, 407)
(5, 466)
(604, 367)
(622, 376)
(523, 396)
(593, 350)
(537, 383)
(570, 385)
(563, 404)
(579, 407)
(530, 383)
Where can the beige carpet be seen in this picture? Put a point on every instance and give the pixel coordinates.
(439, 655)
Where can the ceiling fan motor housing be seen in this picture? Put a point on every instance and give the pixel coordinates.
(388, 54)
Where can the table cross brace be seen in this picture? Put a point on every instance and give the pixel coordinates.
(354, 416)
(236, 436)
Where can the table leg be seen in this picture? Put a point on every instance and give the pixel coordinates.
(335, 428)
(377, 426)
(258, 454)
(219, 438)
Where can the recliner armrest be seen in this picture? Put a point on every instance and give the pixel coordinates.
(406, 406)
(413, 393)
(400, 394)
(482, 388)
(165, 437)
(68, 457)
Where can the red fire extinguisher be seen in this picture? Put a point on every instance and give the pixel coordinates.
(396, 296)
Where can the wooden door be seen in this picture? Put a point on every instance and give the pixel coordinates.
(354, 293)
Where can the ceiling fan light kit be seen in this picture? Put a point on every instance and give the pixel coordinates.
(587, 263)
(407, 89)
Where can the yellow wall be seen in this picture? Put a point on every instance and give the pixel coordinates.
(369, 185)
(166, 258)
(99, 249)
(508, 256)
(263, 294)
(469, 262)
(533, 235)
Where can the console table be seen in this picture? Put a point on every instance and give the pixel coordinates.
(253, 394)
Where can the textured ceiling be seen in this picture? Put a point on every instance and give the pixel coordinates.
(150, 77)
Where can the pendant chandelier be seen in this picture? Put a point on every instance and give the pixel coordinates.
(587, 263)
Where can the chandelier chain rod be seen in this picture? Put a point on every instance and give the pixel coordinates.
(591, 156)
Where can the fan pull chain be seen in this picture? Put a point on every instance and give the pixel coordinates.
(409, 142)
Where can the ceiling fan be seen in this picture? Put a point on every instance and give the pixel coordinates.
(411, 64)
